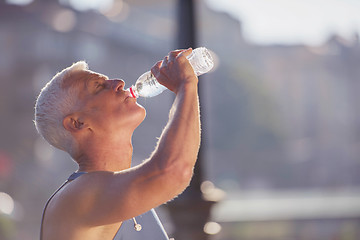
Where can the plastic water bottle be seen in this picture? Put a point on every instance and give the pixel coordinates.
(147, 85)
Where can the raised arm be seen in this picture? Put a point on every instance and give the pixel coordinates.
(115, 197)
(179, 143)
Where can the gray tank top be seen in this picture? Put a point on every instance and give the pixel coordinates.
(151, 227)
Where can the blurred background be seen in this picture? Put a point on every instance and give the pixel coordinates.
(281, 121)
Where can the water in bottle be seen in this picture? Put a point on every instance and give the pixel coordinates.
(147, 85)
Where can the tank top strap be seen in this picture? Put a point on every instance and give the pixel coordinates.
(72, 177)
(75, 175)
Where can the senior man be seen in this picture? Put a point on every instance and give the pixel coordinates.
(93, 118)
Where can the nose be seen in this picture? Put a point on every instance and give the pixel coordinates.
(118, 84)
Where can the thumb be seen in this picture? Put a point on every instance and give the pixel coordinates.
(155, 70)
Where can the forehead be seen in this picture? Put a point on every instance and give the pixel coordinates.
(80, 78)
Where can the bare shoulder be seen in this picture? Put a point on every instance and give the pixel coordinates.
(66, 215)
(77, 195)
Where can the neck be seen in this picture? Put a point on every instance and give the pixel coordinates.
(105, 156)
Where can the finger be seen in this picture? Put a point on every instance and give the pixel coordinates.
(165, 61)
(174, 54)
(186, 52)
(177, 51)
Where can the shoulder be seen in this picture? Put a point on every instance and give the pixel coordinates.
(76, 197)
(84, 187)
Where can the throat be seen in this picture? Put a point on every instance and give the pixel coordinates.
(105, 160)
(105, 154)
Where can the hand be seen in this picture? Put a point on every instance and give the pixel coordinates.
(175, 71)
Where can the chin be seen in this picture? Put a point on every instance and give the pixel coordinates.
(143, 115)
(140, 116)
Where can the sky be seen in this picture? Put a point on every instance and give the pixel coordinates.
(293, 21)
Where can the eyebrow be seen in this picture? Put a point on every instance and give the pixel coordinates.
(93, 78)
(81, 78)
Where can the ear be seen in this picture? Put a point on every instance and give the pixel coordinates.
(74, 124)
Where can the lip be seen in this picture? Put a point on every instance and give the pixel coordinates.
(128, 94)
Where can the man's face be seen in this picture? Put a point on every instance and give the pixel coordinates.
(105, 104)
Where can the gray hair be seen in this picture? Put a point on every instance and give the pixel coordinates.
(53, 104)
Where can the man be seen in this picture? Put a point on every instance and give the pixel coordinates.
(93, 119)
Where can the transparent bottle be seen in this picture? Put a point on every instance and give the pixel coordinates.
(147, 85)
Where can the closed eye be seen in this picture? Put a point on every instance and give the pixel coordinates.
(97, 86)
(95, 83)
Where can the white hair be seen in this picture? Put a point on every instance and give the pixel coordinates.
(53, 104)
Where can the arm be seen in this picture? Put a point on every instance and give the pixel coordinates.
(119, 196)
(169, 170)
(179, 143)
